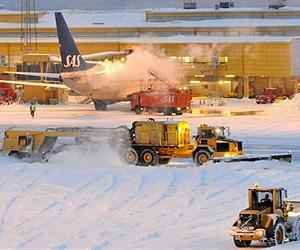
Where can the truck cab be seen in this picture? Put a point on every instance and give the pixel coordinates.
(214, 140)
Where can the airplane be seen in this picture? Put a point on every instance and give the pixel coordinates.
(83, 77)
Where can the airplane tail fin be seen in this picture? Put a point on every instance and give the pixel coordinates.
(70, 56)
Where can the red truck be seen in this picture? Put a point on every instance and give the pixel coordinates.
(270, 94)
(168, 102)
(7, 94)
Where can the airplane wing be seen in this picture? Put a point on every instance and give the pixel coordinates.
(46, 75)
(96, 55)
(38, 84)
(106, 53)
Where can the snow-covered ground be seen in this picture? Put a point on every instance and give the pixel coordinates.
(85, 198)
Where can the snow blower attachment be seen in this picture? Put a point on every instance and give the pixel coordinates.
(146, 143)
(38, 144)
(269, 218)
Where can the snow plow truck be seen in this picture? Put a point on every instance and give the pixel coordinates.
(157, 142)
(269, 218)
(145, 143)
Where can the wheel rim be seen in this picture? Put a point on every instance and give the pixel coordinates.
(202, 158)
(147, 157)
(279, 236)
(131, 156)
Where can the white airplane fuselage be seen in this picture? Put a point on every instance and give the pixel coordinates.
(92, 83)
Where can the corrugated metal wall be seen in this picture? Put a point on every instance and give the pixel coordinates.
(295, 60)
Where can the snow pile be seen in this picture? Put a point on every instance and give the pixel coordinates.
(91, 154)
(285, 107)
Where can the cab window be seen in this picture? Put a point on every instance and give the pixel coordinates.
(278, 199)
(262, 198)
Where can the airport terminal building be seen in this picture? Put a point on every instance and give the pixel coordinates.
(237, 50)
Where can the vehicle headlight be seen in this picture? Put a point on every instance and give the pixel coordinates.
(227, 154)
(232, 233)
(259, 233)
(178, 108)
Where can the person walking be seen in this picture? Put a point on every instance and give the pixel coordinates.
(32, 109)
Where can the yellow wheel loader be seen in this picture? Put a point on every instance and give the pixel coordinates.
(268, 218)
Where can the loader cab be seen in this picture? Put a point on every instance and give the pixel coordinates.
(264, 198)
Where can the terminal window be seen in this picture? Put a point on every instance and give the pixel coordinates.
(226, 5)
(223, 59)
(3, 61)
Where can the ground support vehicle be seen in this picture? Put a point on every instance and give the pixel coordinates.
(269, 218)
(167, 101)
(38, 144)
(7, 94)
(157, 142)
(271, 94)
(145, 143)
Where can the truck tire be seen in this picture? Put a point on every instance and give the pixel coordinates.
(241, 243)
(277, 234)
(138, 110)
(14, 154)
(178, 112)
(149, 157)
(297, 231)
(167, 111)
(131, 157)
(201, 157)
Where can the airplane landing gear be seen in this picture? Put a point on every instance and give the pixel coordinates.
(100, 105)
